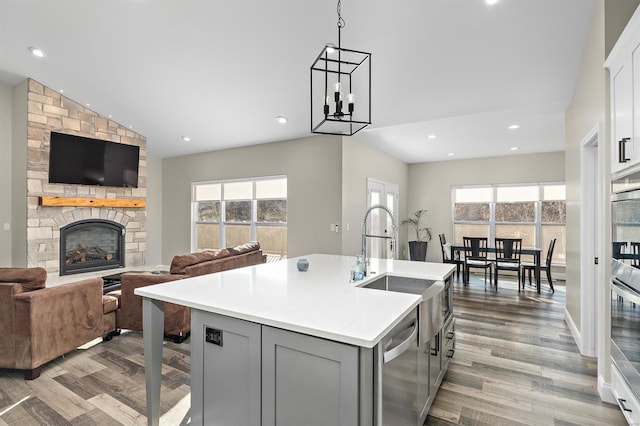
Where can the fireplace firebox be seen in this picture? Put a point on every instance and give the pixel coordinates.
(91, 245)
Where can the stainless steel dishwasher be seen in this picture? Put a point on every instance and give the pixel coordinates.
(408, 356)
(395, 382)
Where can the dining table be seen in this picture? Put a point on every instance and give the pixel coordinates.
(528, 251)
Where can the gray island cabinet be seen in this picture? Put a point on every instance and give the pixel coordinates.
(271, 345)
(259, 370)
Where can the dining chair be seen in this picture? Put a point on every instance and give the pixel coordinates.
(635, 253)
(475, 256)
(508, 253)
(546, 266)
(446, 255)
(619, 247)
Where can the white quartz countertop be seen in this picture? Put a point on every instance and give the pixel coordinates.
(319, 302)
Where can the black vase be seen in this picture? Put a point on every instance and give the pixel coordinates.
(418, 250)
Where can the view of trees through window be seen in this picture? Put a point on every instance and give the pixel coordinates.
(534, 212)
(228, 213)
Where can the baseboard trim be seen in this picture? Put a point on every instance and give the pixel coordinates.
(574, 330)
(604, 389)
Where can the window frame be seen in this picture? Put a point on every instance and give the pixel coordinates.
(492, 223)
(223, 222)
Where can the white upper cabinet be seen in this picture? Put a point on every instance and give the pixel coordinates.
(621, 117)
(623, 64)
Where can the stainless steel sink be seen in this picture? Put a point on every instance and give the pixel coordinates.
(430, 312)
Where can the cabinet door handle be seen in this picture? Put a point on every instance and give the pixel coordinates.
(450, 353)
(436, 350)
(451, 335)
(622, 150)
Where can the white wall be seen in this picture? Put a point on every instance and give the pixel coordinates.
(360, 162)
(313, 167)
(587, 110)
(430, 184)
(19, 176)
(6, 106)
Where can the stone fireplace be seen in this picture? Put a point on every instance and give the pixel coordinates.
(48, 110)
(91, 245)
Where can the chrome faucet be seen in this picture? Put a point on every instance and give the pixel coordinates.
(393, 237)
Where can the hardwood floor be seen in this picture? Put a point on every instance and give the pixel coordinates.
(100, 385)
(515, 363)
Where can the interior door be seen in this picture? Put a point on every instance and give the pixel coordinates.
(380, 223)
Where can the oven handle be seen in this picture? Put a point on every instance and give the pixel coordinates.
(622, 404)
(625, 292)
(395, 352)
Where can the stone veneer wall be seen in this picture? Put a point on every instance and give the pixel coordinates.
(48, 110)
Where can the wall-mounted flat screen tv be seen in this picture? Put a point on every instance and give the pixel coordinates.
(86, 161)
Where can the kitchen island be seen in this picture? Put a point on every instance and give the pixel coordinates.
(256, 309)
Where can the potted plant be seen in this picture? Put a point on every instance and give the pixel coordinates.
(418, 247)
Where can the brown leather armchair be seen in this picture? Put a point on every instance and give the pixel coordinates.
(39, 324)
(129, 316)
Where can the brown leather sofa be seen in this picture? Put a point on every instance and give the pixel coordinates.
(177, 319)
(39, 324)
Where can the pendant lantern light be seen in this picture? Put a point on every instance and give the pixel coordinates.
(340, 89)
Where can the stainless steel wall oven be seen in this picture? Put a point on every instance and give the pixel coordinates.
(625, 281)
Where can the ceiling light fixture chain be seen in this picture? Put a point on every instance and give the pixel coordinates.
(338, 93)
(341, 22)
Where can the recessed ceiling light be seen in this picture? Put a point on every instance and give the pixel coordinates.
(61, 91)
(451, 154)
(110, 116)
(281, 119)
(513, 127)
(88, 104)
(491, 2)
(431, 136)
(131, 126)
(186, 138)
(35, 51)
(514, 148)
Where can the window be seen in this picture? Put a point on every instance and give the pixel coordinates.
(228, 213)
(534, 212)
(472, 213)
